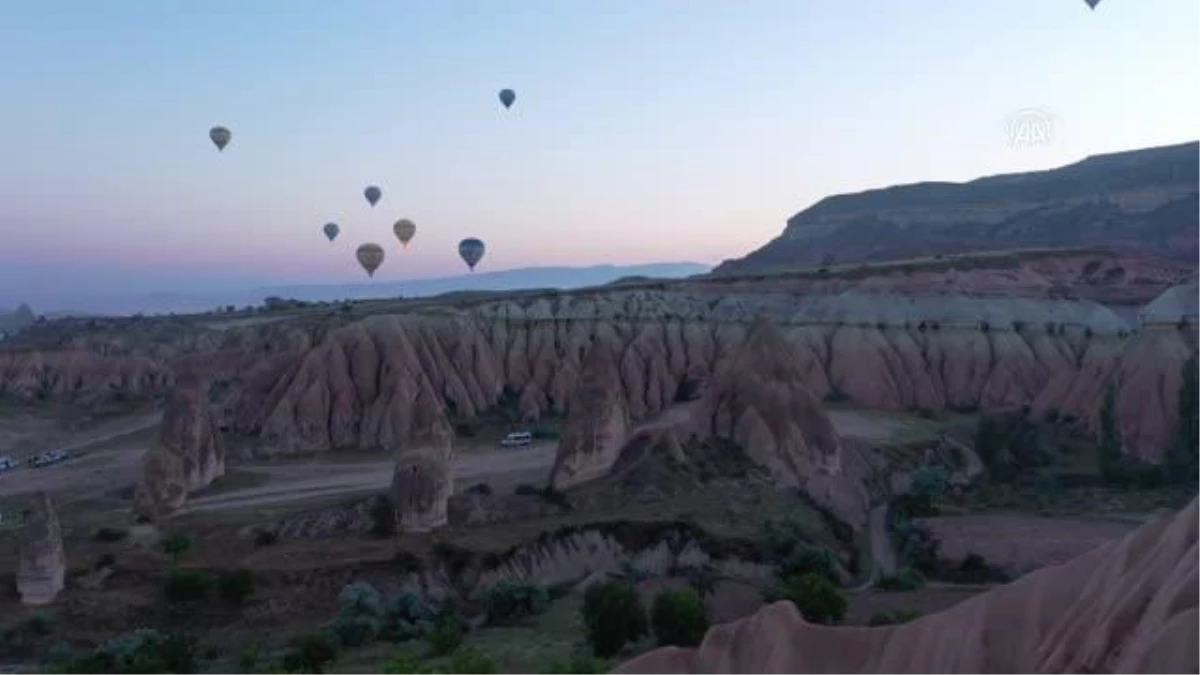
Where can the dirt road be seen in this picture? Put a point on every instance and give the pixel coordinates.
(502, 469)
(105, 457)
(305, 481)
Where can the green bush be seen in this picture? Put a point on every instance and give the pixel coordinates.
(111, 534)
(406, 662)
(613, 616)
(360, 615)
(930, 481)
(804, 559)
(41, 623)
(815, 597)
(886, 618)
(249, 658)
(468, 660)
(176, 545)
(234, 586)
(187, 585)
(578, 664)
(142, 651)
(509, 600)
(905, 579)
(445, 637)
(679, 618)
(407, 616)
(311, 653)
(383, 517)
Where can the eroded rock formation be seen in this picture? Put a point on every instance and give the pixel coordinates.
(80, 375)
(42, 560)
(758, 401)
(188, 456)
(422, 481)
(324, 383)
(597, 425)
(1126, 607)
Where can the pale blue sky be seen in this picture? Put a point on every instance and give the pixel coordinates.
(643, 129)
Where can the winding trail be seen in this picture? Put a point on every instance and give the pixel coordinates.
(883, 556)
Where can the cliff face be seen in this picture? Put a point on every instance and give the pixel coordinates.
(1143, 200)
(296, 385)
(597, 425)
(1125, 607)
(188, 456)
(357, 387)
(422, 480)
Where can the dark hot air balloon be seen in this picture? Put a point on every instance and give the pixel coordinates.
(404, 229)
(372, 193)
(370, 256)
(471, 251)
(220, 137)
(331, 230)
(507, 96)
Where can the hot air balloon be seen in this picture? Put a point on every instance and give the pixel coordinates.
(220, 137)
(471, 251)
(372, 194)
(404, 229)
(331, 230)
(370, 256)
(507, 96)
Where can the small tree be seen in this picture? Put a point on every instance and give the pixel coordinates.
(311, 653)
(406, 663)
(360, 615)
(1110, 456)
(1182, 462)
(679, 618)
(470, 661)
(514, 600)
(614, 615)
(407, 616)
(176, 545)
(187, 586)
(816, 598)
(445, 637)
(235, 585)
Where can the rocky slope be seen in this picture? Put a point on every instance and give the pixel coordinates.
(317, 384)
(1126, 607)
(189, 454)
(597, 426)
(1142, 199)
(422, 481)
(42, 562)
(356, 388)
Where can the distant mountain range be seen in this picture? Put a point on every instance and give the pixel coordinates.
(1144, 200)
(508, 280)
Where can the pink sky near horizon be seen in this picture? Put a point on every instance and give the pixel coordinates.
(640, 133)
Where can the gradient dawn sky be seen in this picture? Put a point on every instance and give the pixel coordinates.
(644, 130)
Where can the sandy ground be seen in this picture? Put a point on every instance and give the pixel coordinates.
(1023, 543)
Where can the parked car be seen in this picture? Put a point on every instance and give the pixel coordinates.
(7, 463)
(516, 439)
(49, 458)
